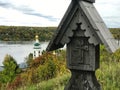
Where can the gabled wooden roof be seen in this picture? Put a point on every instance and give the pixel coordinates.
(84, 14)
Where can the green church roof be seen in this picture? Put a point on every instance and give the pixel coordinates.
(37, 44)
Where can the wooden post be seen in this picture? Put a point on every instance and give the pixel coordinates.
(82, 60)
(83, 80)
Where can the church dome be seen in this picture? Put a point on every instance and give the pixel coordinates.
(37, 44)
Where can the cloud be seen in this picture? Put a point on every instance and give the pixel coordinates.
(109, 11)
(112, 21)
(45, 12)
(27, 10)
(16, 18)
(51, 18)
(5, 4)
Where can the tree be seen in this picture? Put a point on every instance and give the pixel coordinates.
(29, 59)
(116, 34)
(10, 69)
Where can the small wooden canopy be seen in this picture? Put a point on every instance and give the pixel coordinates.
(85, 14)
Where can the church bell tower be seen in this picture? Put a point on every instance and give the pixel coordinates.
(36, 48)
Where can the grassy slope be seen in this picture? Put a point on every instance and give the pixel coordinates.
(57, 83)
(108, 76)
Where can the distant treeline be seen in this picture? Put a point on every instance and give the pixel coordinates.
(22, 33)
(116, 33)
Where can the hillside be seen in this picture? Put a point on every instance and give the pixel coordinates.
(19, 33)
(49, 72)
(22, 33)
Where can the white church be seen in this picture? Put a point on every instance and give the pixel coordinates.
(36, 48)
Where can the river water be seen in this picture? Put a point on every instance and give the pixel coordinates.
(18, 50)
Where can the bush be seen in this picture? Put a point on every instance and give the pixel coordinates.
(10, 71)
(47, 71)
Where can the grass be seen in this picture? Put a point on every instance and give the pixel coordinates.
(57, 83)
(109, 75)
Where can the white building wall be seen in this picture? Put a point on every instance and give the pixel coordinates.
(36, 53)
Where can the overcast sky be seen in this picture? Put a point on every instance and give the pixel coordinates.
(50, 12)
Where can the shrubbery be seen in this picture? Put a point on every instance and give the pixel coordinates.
(10, 70)
(45, 67)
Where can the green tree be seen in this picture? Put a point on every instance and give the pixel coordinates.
(10, 69)
(116, 34)
(29, 59)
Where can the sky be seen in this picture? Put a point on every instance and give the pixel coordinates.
(44, 13)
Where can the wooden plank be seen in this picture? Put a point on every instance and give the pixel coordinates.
(99, 26)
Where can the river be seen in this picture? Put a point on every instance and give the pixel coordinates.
(18, 50)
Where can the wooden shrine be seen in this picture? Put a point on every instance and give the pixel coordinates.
(82, 30)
